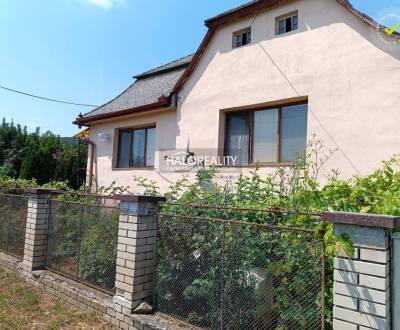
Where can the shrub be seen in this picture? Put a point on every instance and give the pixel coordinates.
(293, 188)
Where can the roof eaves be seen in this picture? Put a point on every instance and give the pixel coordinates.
(162, 102)
(252, 8)
(367, 19)
(255, 6)
(231, 10)
(193, 63)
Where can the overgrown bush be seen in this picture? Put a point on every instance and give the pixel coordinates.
(98, 248)
(43, 157)
(293, 188)
(190, 253)
(83, 237)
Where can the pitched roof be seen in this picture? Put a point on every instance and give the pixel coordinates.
(174, 65)
(152, 87)
(235, 9)
(252, 8)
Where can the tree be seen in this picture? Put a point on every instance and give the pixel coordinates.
(43, 157)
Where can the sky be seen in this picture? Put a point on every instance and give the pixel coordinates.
(86, 51)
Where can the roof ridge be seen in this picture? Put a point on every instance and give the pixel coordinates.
(168, 66)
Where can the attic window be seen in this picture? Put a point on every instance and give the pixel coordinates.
(287, 23)
(241, 38)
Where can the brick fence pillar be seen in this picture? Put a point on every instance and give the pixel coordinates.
(362, 282)
(396, 280)
(36, 229)
(136, 255)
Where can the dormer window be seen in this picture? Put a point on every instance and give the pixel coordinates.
(287, 23)
(241, 38)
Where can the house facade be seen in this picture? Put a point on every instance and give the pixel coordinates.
(268, 77)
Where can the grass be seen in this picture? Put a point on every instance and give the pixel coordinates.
(23, 306)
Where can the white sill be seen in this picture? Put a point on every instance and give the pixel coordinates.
(286, 33)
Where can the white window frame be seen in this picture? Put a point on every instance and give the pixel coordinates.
(240, 33)
(283, 18)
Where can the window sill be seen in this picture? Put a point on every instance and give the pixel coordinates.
(150, 168)
(238, 47)
(277, 35)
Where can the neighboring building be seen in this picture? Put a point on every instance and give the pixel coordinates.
(267, 76)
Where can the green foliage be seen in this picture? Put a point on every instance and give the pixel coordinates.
(147, 187)
(112, 189)
(7, 182)
(40, 157)
(378, 192)
(98, 248)
(190, 254)
(262, 278)
(269, 276)
(12, 147)
(12, 223)
(83, 239)
(57, 185)
(293, 188)
(7, 169)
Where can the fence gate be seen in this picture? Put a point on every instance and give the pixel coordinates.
(223, 268)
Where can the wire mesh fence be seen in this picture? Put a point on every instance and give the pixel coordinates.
(227, 274)
(82, 242)
(13, 213)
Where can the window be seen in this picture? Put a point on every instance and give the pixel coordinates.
(288, 23)
(241, 38)
(136, 147)
(272, 135)
(237, 142)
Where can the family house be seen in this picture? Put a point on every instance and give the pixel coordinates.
(267, 76)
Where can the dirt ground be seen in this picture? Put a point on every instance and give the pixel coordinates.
(23, 306)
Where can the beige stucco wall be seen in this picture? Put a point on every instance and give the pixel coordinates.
(105, 172)
(350, 76)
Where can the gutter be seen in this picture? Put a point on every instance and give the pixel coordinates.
(161, 103)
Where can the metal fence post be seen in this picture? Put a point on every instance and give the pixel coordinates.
(136, 255)
(36, 229)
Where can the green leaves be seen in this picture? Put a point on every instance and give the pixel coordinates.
(43, 157)
(344, 245)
